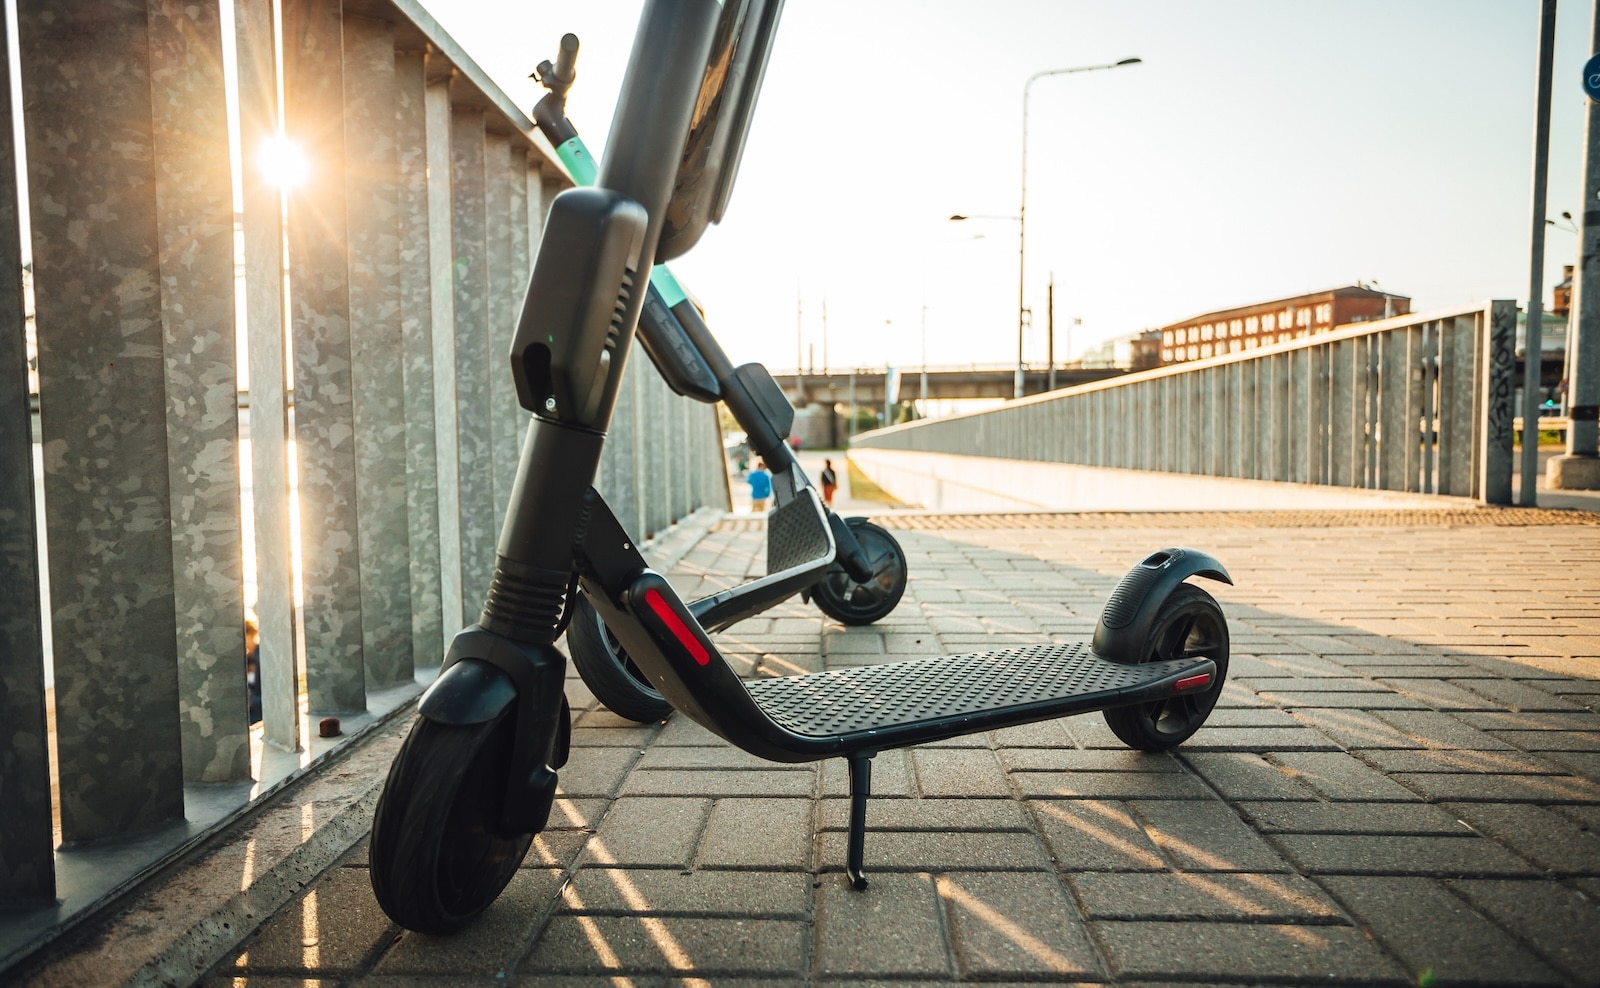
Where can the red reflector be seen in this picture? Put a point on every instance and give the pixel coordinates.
(675, 625)
(1192, 682)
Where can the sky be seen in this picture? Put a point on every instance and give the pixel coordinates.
(1263, 149)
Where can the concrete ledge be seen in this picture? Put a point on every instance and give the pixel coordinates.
(1573, 473)
(949, 482)
(185, 919)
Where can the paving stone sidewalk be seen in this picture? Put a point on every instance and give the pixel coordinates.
(1401, 785)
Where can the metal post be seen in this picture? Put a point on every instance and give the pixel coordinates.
(27, 863)
(1050, 323)
(1022, 234)
(1533, 339)
(1579, 468)
(102, 379)
(324, 415)
(377, 349)
(1022, 206)
(850, 429)
(799, 354)
(923, 408)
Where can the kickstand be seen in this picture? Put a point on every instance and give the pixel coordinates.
(860, 789)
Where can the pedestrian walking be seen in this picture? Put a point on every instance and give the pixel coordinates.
(830, 482)
(760, 486)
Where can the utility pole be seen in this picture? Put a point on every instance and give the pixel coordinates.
(1533, 338)
(1579, 468)
(923, 408)
(799, 352)
(1050, 323)
(824, 337)
(850, 431)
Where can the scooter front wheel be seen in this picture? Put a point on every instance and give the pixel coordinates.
(1188, 624)
(437, 859)
(604, 665)
(839, 596)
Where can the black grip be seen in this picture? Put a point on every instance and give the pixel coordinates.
(567, 59)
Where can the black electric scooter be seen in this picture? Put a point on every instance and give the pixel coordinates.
(476, 776)
(856, 580)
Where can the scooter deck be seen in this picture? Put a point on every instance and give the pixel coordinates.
(867, 709)
(921, 700)
(856, 713)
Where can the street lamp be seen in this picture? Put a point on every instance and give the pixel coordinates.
(1022, 207)
(1569, 225)
(1388, 300)
(923, 408)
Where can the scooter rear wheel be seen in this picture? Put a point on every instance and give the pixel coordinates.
(1188, 624)
(604, 665)
(437, 859)
(842, 598)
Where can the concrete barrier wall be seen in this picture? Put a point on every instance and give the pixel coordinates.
(381, 425)
(1418, 404)
(965, 483)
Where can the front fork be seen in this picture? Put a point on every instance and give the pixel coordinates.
(567, 359)
(510, 659)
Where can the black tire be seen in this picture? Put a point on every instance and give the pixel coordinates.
(845, 600)
(1188, 624)
(436, 859)
(606, 669)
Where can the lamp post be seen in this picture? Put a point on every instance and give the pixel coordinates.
(1022, 206)
(923, 408)
(1388, 300)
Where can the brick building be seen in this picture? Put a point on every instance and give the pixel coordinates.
(1561, 295)
(1252, 326)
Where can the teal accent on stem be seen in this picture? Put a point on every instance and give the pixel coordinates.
(671, 292)
(580, 163)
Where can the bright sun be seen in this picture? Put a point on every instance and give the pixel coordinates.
(282, 162)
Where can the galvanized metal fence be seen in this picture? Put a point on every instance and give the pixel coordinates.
(1416, 403)
(383, 423)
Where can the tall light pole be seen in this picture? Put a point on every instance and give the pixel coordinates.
(799, 352)
(923, 409)
(1021, 210)
(1533, 336)
(1578, 468)
(1022, 206)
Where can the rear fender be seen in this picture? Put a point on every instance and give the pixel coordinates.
(1131, 609)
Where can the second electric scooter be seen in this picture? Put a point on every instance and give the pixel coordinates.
(477, 775)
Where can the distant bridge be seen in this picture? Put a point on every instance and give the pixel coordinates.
(943, 382)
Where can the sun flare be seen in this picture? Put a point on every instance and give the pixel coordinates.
(283, 162)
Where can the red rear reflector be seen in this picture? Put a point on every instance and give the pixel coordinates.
(1192, 682)
(675, 625)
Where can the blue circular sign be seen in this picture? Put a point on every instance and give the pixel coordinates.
(1591, 78)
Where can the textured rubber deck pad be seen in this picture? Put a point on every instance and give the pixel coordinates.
(847, 701)
(1202, 520)
(797, 535)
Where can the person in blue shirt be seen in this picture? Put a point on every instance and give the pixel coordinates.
(760, 487)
